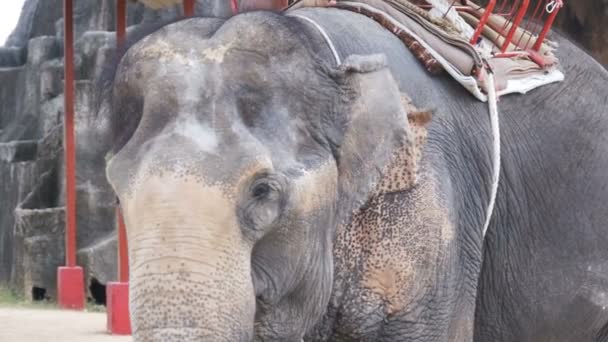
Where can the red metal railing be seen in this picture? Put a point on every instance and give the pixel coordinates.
(513, 13)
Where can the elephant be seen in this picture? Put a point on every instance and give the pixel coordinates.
(277, 188)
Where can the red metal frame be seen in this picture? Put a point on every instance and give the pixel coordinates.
(513, 16)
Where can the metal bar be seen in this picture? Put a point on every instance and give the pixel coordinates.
(69, 136)
(123, 249)
(123, 255)
(527, 27)
(547, 27)
(234, 6)
(121, 22)
(483, 21)
(515, 24)
(508, 15)
(188, 8)
(502, 7)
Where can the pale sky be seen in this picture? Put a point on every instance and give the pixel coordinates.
(9, 15)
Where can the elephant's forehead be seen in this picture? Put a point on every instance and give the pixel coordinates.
(173, 49)
(211, 71)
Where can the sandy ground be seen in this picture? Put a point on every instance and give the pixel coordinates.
(48, 325)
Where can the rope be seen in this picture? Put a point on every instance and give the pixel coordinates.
(494, 122)
(325, 36)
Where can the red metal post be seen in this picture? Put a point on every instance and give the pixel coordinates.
(117, 293)
(123, 256)
(70, 279)
(234, 6)
(188, 8)
(483, 21)
(70, 151)
(548, 24)
(123, 252)
(515, 24)
(121, 22)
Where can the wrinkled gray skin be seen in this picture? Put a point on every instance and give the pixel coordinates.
(241, 150)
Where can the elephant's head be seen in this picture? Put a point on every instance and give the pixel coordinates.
(236, 152)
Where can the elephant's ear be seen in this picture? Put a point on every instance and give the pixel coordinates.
(401, 173)
(370, 124)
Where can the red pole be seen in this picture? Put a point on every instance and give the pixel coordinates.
(123, 252)
(483, 21)
(515, 25)
(121, 22)
(547, 27)
(117, 293)
(70, 279)
(123, 256)
(70, 152)
(188, 8)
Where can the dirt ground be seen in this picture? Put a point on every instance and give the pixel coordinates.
(49, 325)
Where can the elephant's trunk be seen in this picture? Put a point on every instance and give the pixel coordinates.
(190, 266)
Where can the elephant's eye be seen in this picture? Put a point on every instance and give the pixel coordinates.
(261, 191)
(263, 203)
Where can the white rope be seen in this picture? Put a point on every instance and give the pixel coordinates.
(494, 122)
(325, 36)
